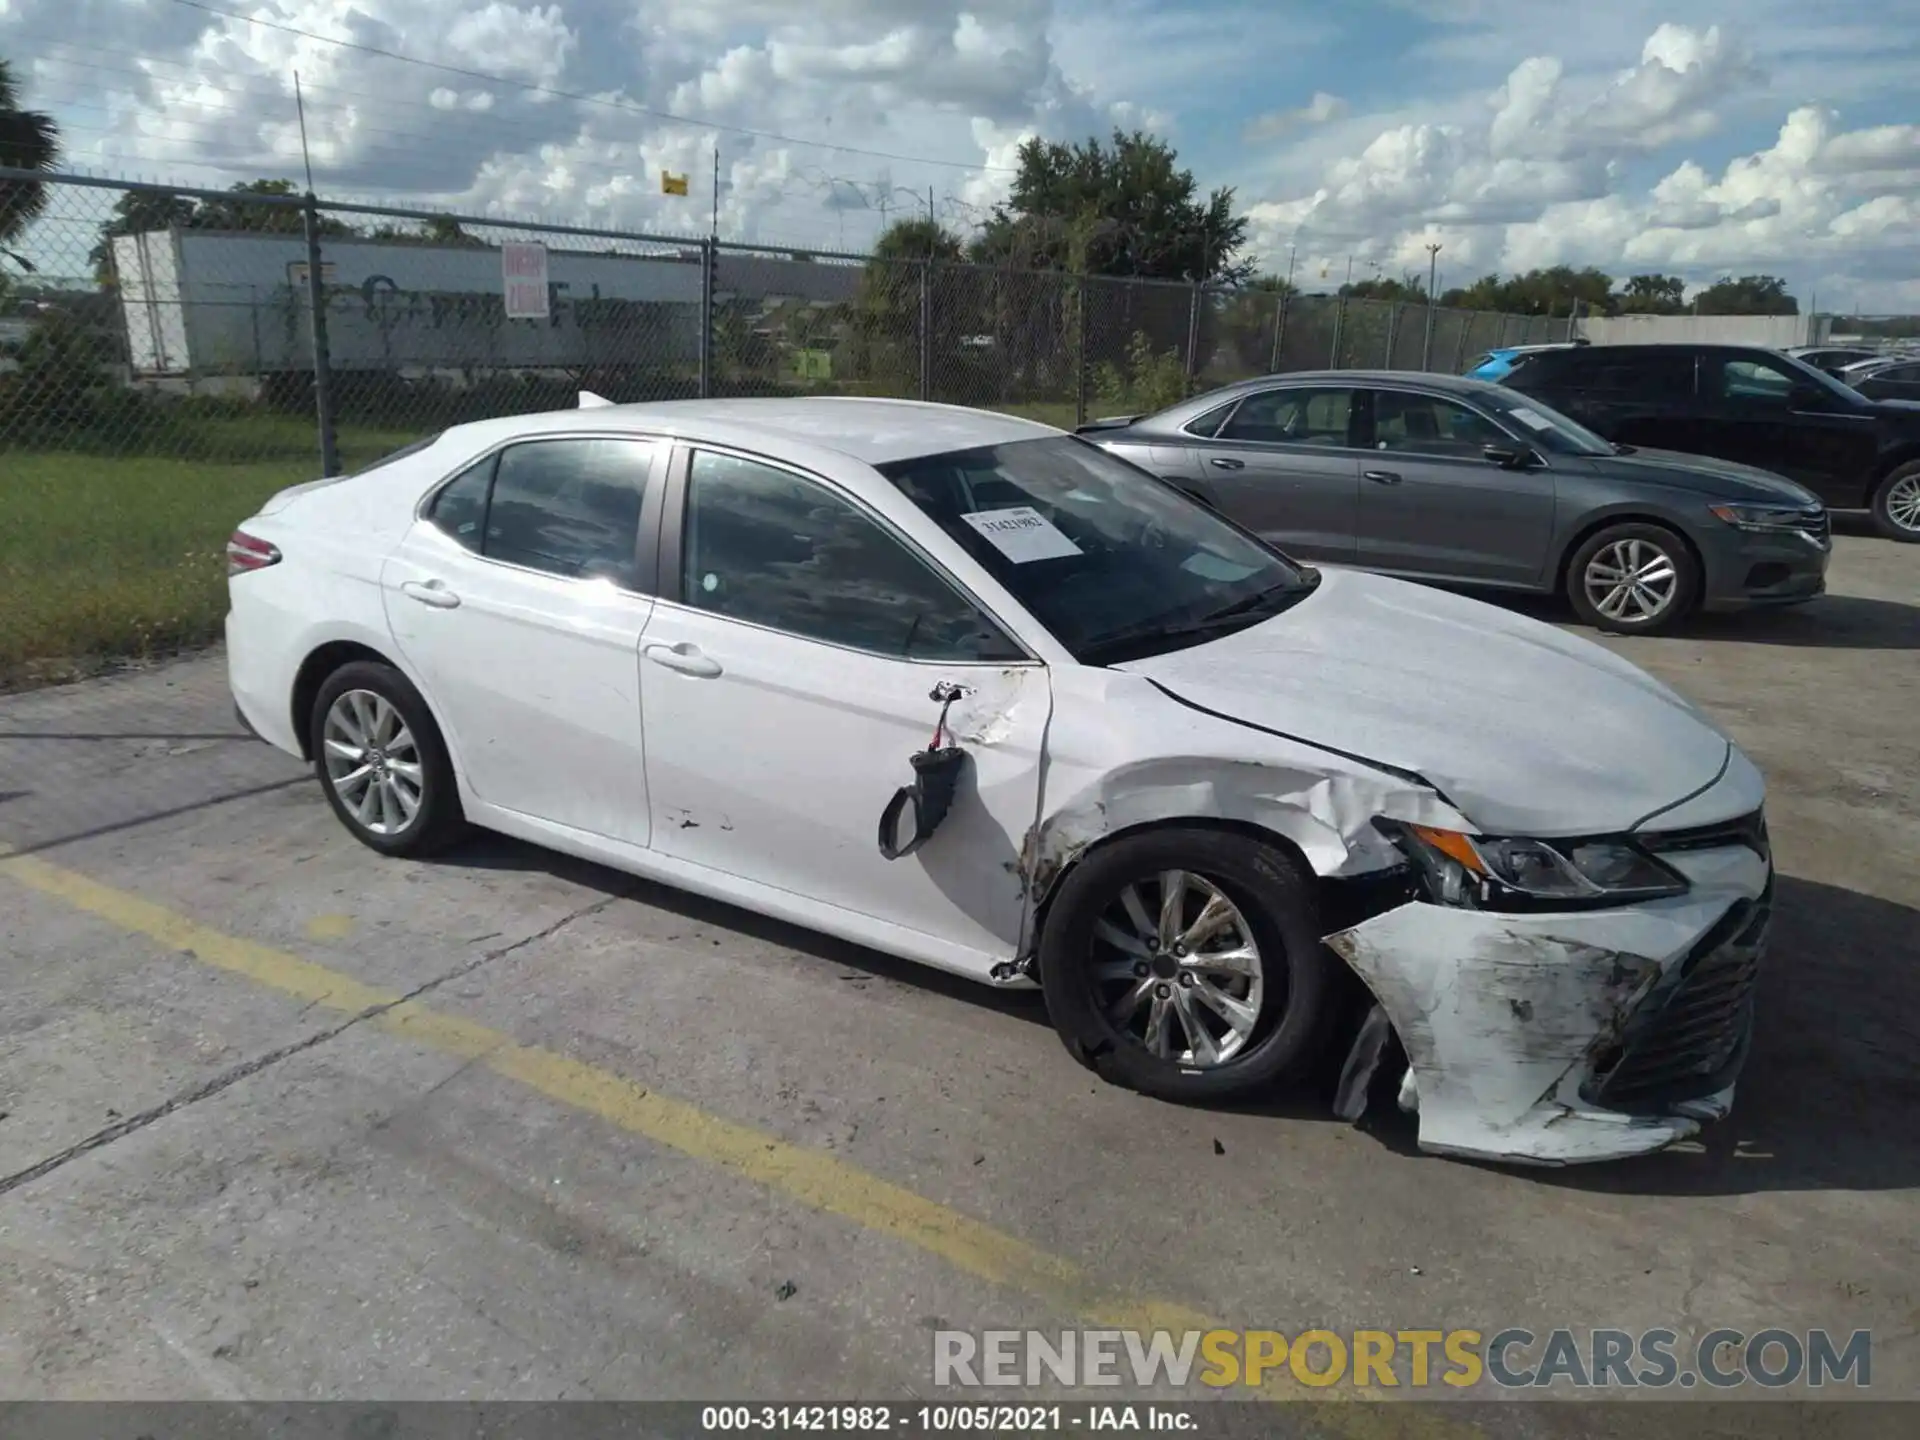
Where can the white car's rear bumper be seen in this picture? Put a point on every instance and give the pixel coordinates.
(1555, 1038)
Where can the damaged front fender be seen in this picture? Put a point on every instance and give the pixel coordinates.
(1504, 1016)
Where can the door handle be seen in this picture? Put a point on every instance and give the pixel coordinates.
(1383, 477)
(684, 657)
(1225, 462)
(430, 592)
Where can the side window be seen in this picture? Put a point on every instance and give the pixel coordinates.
(1292, 417)
(1906, 374)
(1641, 375)
(1427, 425)
(768, 547)
(460, 509)
(1208, 425)
(569, 507)
(1752, 382)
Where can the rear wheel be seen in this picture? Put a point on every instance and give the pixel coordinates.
(1896, 504)
(382, 763)
(1185, 963)
(1634, 579)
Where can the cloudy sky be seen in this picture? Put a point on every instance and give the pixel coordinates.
(1699, 138)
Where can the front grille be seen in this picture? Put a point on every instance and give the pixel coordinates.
(1819, 525)
(1689, 1037)
(1748, 830)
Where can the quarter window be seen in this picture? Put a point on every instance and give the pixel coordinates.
(1292, 417)
(1427, 425)
(768, 547)
(1208, 425)
(460, 509)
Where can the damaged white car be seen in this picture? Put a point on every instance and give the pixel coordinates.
(972, 691)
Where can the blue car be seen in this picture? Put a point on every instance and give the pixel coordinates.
(1494, 365)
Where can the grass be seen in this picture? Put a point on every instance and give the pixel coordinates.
(123, 556)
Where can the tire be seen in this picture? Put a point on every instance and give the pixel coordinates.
(1284, 1019)
(1659, 555)
(1896, 504)
(361, 701)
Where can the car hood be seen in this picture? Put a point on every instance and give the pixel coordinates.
(1525, 729)
(1705, 475)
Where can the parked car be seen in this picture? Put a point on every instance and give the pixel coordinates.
(1754, 406)
(1199, 794)
(1892, 377)
(1496, 363)
(1436, 478)
(1831, 358)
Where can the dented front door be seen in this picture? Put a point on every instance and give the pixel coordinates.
(770, 757)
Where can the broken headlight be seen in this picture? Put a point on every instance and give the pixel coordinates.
(1485, 872)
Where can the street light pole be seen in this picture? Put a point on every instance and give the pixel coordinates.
(1433, 262)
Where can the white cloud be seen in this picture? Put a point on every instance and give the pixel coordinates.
(1276, 123)
(1546, 175)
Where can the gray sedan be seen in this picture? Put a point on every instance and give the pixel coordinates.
(1440, 478)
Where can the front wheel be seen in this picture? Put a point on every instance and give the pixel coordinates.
(1896, 504)
(1633, 579)
(1186, 964)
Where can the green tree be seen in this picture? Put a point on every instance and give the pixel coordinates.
(1123, 209)
(1748, 295)
(435, 230)
(1653, 295)
(237, 214)
(1385, 288)
(29, 140)
(886, 316)
(1549, 291)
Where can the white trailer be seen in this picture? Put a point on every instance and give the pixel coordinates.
(207, 303)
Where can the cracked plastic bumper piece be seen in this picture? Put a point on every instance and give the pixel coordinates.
(1557, 1038)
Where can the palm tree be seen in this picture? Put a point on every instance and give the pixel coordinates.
(29, 140)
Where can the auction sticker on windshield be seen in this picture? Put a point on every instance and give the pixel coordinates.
(1532, 419)
(1022, 534)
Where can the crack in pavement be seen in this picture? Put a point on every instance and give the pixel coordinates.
(226, 1079)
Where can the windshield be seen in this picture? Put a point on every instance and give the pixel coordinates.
(1115, 563)
(1546, 427)
(1814, 375)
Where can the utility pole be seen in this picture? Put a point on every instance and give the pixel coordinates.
(1433, 263)
(715, 231)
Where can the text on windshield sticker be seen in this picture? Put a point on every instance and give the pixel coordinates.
(1532, 419)
(1022, 534)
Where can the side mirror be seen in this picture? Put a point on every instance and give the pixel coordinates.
(1508, 457)
(1807, 397)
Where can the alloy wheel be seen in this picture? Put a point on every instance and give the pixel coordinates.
(1176, 968)
(373, 762)
(1632, 581)
(1903, 504)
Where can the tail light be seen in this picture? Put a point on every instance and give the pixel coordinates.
(247, 552)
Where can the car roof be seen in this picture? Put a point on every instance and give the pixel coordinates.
(1176, 416)
(1427, 379)
(871, 430)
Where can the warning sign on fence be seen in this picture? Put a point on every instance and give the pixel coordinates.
(523, 269)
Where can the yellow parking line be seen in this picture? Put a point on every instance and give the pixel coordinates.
(811, 1177)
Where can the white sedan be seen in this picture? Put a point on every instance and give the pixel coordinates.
(969, 690)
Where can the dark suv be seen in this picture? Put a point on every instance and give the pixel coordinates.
(1742, 403)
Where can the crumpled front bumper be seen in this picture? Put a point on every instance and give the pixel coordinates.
(1558, 1038)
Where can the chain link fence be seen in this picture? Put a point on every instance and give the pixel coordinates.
(174, 356)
